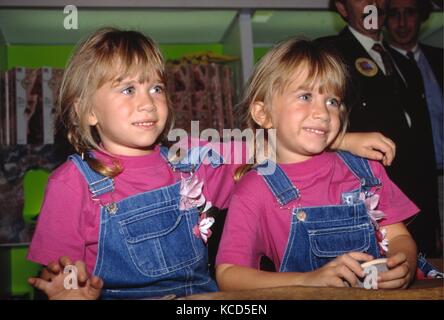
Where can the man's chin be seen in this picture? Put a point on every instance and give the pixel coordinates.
(370, 32)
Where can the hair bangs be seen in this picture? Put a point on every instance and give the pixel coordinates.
(129, 57)
(320, 70)
(327, 75)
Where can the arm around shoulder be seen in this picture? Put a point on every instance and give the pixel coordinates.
(371, 145)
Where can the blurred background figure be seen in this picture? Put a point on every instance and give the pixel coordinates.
(381, 102)
(422, 66)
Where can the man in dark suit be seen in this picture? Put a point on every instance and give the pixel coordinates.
(381, 104)
(422, 66)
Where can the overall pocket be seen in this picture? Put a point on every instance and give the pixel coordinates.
(326, 244)
(160, 241)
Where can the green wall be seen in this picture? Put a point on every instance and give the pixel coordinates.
(3, 55)
(34, 56)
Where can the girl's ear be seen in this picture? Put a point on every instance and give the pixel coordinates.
(92, 119)
(260, 115)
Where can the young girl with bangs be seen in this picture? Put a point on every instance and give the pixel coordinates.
(121, 207)
(319, 214)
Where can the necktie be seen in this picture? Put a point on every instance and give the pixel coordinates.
(412, 61)
(411, 55)
(386, 60)
(416, 72)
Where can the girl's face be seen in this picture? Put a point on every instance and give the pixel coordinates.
(305, 120)
(129, 115)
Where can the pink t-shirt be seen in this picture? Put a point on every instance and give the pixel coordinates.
(69, 220)
(257, 226)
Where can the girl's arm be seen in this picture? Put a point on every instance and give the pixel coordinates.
(371, 145)
(401, 258)
(341, 272)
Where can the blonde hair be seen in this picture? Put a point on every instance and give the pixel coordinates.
(106, 55)
(274, 73)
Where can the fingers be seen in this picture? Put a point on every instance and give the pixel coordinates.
(359, 256)
(387, 147)
(396, 283)
(65, 261)
(398, 275)
(352, 262)
(389, 151)
(94, 287)
(82, 273)
(372, 154)
(401, 271)
(38, 283)
(50, 271)
(390, 142)
(345, 273)
(396, 260)
(96, 282)
(348, 267)
(54, 267)
(379, 147)
(47, 275)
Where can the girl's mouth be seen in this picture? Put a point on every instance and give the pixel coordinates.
(316, 131)
(144, 124)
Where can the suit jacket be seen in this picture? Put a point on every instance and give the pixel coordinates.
(416, 101)
(379, 103)
(435, 57)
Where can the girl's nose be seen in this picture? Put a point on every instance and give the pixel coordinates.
(320, 111)
(146, 103)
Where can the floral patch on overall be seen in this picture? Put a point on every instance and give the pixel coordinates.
(191, 196)
(371, 202)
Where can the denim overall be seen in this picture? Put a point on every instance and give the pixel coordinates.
(146, 245)
(320, 234)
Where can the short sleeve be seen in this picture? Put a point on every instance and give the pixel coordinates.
(219, 181)
(241, 242)
(59, 225)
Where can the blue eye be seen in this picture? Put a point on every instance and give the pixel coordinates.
(333, 102)
(128, 91)
(305, 96)
(157, 89)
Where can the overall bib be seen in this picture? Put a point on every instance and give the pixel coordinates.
(146, 244)
(320, 234)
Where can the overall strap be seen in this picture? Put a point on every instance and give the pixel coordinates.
(98, 184)
(193, 159)
(360, 167)
(279, 184)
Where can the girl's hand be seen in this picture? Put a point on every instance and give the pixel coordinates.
(51, 282)
(399, 275)
(340, 272)
(370, 145)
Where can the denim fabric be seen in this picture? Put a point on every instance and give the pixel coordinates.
(320, 234)
(429, 270)
(279, 184)
(97, 183)
(195, 157)
(361, 169)
(325, 233)
(146, 245)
